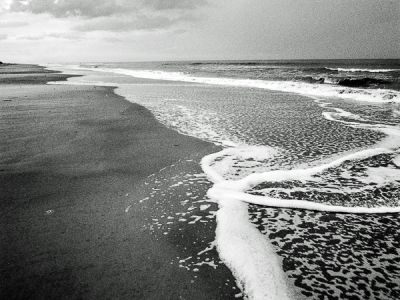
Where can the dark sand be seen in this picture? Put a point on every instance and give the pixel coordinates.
(69, 156)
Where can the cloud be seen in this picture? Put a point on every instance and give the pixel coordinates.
(3, 36)
(11, 24)
(96, 8)
(175, 4)
(140, 21)
(5, 5)
(68, 8)
(116, 24)
(53, 35)
(113, 15)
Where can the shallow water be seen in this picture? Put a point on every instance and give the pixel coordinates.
(324, 254)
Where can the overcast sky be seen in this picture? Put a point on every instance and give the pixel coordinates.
(135, 30)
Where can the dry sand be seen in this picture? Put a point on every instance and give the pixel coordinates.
(69, 156)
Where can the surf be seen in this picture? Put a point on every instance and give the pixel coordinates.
(244, 249)
(356, 70)
(307, 89)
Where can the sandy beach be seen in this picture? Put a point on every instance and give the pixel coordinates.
(73, 159)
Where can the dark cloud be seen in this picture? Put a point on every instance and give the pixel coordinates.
(114, 15)
(66, 8)
(97, 8)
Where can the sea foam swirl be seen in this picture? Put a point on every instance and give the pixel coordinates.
(259, 274)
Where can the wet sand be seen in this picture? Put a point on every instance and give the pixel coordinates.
(72, 159)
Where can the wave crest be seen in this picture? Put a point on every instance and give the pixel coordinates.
(353, 70)
(308, 89)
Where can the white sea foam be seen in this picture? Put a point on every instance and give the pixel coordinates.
(375, 176)
(249, 159)
(241, 246)
(392, 139)
(381, 175)
(199, 124)
(331, 91)
(248, 254)
(362, 70)
(396, 161)
(236, 189)
(234, 229)
(340, 113)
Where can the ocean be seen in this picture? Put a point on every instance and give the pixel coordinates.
(308, 174)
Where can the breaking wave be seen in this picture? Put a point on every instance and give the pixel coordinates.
(353, 70)
(308, 89)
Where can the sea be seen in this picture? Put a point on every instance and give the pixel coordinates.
(307, 172)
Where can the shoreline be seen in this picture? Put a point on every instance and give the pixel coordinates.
(72, 162)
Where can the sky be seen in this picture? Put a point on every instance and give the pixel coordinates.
(51, 31)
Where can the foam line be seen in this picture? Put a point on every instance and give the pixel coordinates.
(392, 139)
(241, 246)
(282, 175)
(235, 189)
(248, 254)
(363, 70)
(222, 193)
(324, 90)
